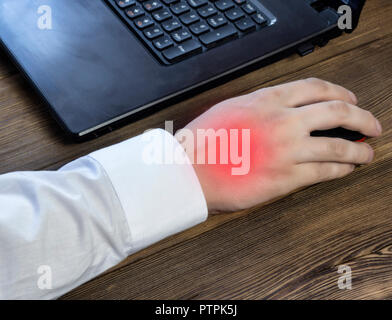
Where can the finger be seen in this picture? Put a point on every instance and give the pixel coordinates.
(304, 92)
(315, 172)
(320, 149)
(333, 114)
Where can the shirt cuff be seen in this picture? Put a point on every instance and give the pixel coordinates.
(159, 193)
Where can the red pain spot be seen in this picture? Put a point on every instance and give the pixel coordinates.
(249, 152)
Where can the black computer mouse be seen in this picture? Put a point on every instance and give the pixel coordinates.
(339, 133)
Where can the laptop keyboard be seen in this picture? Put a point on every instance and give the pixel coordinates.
(178, 29)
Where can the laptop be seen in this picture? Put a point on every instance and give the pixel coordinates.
(96, 63)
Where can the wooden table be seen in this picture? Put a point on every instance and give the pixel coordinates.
(289, 249)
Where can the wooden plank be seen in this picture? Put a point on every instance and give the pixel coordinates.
(290, 248)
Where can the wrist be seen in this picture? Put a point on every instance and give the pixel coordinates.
(189, 145)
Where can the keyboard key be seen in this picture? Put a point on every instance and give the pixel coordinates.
(171, 25)
(207, 11)
(249, 8)
(234, 14)
(245, 25)
(213, 38)
(217, 21)
(179, 8)
(162, 15)
(153, 32)
(134, 12)
(224, 4)
(199, 28)
(197, 3)
(181, 35)
(182, 28)
(189, 18)
(168, 2)
(183, 50)
(163, 43)
(259, 18)
(143, 22)
(125, 3)
(152, 5)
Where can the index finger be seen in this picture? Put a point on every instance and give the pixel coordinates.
(333, 114)
(304, 92)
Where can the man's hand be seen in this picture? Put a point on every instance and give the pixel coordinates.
(282, 156)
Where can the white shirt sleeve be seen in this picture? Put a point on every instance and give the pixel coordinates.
(59, 229)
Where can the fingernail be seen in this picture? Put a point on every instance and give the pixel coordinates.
(378, 126)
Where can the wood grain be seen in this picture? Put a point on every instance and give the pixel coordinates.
(291, 248)
(287, 249)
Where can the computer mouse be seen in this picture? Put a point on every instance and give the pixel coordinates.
(340, 133)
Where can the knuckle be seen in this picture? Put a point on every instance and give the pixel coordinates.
(344, 169)
(337, 149)
(334, 171)
(339, 108)
(312, 80)
(273, 93)
(330, 171)
(260, 94)
(321, 85)
(319, 172)
(322, 171)
(279, 120)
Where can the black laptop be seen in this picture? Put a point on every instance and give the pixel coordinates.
(97, 62)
